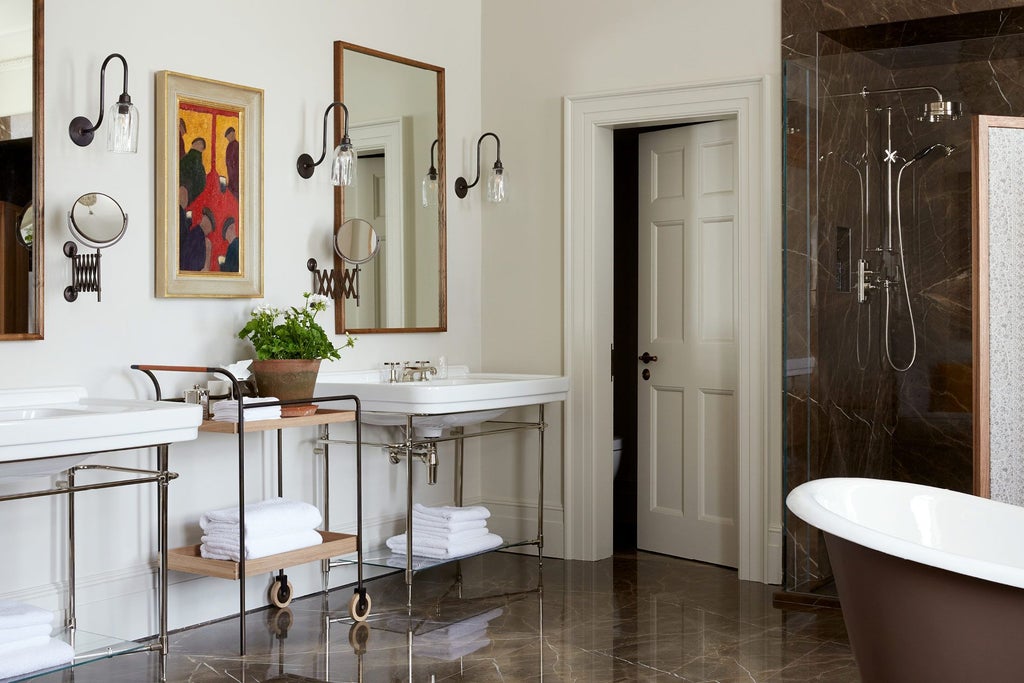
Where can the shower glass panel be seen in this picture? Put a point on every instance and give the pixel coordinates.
(877, 260)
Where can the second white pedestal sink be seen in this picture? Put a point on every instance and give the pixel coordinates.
(463, 398)
(46, 430)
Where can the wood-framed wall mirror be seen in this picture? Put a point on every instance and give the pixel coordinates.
(21, 170)
(397, 109)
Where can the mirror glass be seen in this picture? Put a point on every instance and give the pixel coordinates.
(356, 241)
(97, 220)
(26, 227)
(21, 170)
(397, 110)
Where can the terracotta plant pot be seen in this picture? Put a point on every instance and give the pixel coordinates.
(287, 380)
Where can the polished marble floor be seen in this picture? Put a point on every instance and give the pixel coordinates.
(634, 617)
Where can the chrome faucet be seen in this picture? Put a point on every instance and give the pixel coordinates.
(422, 368)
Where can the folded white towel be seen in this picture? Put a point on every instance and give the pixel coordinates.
(440, 526)
(451, 513)
(476, 545)
(229, 532)
(266, 517)
(251, 414)
(422, 539)
(14, 614)
(213, 550)
(13, 635)
(13, 648)
(33, 658)
(227, 410)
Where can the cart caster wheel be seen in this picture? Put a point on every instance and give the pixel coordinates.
(358, 636)
(280, 621)
(280, 593)
(356, 611)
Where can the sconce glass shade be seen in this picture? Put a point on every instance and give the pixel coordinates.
(343, 166)
(123, 129)
(497, 185)
(430, 189)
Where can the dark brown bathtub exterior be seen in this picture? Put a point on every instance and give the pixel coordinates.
(910, 622)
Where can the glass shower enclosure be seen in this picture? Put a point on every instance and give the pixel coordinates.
(877, 255)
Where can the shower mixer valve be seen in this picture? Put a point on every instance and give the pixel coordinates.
(863, 281)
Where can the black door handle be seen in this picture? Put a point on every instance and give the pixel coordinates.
(648, 358)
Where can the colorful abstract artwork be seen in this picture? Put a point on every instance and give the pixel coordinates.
(209, 188)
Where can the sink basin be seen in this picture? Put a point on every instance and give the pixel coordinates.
(463, 398)
(47, 430)
(462, 391)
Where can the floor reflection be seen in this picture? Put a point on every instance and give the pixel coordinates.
(634, 617)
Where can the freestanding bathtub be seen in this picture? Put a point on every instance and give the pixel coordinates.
(930, 580)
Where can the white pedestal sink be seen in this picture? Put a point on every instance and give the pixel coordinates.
(463, 398)
(43, 431)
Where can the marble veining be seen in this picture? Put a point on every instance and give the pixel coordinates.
(633, 617)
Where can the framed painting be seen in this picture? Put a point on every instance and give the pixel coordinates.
(209, 188)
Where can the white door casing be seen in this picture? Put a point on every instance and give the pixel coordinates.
(588, 156)
(686, 408)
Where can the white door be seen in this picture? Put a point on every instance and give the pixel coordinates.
(687, 498)
(366, 200)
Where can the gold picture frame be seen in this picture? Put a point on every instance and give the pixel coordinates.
(209, 188)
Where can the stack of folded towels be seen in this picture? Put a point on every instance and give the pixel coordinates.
(25, 642)
(446, 532)
(272, 526)
(227, 410)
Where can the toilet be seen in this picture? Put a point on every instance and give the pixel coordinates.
(616, 455)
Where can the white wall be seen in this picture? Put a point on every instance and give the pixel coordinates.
(511, 61)
(287, 53)
(534, 54)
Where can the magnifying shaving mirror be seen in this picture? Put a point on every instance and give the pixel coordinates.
(97, 221)
(356, 241)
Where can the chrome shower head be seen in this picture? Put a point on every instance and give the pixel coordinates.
(941, 110)
(946, 149)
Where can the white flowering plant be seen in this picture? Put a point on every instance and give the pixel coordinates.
(293, 332)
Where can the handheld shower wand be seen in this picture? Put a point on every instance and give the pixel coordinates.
(947, 150)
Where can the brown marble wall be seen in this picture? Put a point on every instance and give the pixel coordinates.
(852, 414)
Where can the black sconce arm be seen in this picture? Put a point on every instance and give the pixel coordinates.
(305, 163)
(81, 129)
(432, 171)
(461, 187)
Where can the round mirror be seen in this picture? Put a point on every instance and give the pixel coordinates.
(356, 241)
(97, 220)
(26, 227)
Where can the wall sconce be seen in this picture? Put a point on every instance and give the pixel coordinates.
(497, 182)
(430, 188)
(356, 242)
(123, 131)
(97, 221)
(343, 167)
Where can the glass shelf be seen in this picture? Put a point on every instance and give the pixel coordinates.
(382, 556)
(89, 647)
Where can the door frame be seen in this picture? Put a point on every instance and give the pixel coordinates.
(588, 122)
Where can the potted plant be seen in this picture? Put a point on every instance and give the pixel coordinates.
(289, 346)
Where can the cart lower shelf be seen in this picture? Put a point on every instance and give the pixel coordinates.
(189, 560)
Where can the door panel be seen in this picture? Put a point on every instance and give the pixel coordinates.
(687, 501)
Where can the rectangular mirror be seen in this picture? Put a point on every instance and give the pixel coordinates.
(21, 169)
(397, 110)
